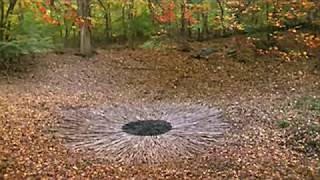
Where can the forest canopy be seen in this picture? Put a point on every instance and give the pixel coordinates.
(31, 26)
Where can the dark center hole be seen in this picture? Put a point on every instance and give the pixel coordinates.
(147, 127)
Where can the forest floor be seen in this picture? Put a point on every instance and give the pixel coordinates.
(272, 105)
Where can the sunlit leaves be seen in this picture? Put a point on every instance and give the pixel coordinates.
(151, 16)
(167, 14)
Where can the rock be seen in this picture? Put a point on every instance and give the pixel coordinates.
(231, 52)
(204, 53)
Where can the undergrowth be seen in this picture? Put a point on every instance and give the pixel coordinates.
(303, 132)
(26, 38)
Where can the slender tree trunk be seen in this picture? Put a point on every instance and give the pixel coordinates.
(189, 28)
(5, 23)
(1, 19)
(199, 38)
(131, 34)
(124, 24)
(66, 34)
(183, 18)
(107, 18)
(109, 21)
(205, 29)
(12, 4)
(7, 30)
(75, 35)
(151, 9)
(21, 13)
(267, 21)
(207, 26)
(85, 34)
(221, 16)
(107, 26)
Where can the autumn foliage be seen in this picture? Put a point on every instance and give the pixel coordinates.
(59, 13)
(167, 12)
(202, 19)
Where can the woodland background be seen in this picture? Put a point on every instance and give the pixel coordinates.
(32, 26)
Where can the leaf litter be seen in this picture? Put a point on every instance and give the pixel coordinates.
(254, 96)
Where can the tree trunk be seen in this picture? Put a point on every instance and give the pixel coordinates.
(5, 22)
(205, 30)
(109, 21)
(151, 9)
(220, 4)
(124, 23)
(21, 12)
(131, 34)
(85, 34)
(199, 32)
(183, 18)
(267, 21)
(107, 18)
(1, 19)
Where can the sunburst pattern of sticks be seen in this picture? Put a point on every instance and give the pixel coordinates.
(100, 131)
